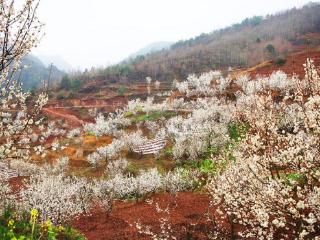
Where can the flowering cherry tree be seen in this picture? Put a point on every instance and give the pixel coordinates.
(21, 128)
(273, 188)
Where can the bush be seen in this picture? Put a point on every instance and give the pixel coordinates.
(60, 96)
(270, 51)
(280, 61)
(72, 95)
(65, 83)
(76, 85)
(122, 90)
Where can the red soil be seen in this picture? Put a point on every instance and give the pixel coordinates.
(187, 216)
(57, 113)
(294, 64)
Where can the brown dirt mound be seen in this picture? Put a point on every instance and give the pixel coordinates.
(187, 215)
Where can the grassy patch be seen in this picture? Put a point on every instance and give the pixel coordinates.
(152, 116)
(132, 169)
(238, 131)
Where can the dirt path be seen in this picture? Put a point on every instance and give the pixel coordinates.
(68, 117)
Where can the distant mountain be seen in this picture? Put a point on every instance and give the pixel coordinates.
(151, 48)
(241, 45)
(33, 72)
(57, 61)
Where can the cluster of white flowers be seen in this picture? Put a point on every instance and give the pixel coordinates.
(60, 198)
(123, 186)
(276, 81)
(113, 151)
(157, 85)
(197, 86)
(107, 126)
(147, 106)
(117, 167)
(22, 130)
(74, 133)
(5, 192)
(56, 197)
(273, 189)
(19, 32)
(208, 125)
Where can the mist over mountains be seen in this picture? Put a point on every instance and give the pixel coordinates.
(34, 72)
(151, 48)
(57, 61)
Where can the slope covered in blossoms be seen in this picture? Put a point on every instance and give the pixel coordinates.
(216, 156)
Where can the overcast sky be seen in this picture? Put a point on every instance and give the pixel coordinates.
(99, 32)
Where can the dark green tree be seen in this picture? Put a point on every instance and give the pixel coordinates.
(65, 83)
(270, 51)
(76, 85)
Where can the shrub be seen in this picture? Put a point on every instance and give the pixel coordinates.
(122, 90)
(57, 198)
(60, 96)
(76, 85)
(65, 83)
(280, 61)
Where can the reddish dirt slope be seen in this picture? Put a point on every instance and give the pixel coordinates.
(294, 64)
(188, 209)
(72, 119)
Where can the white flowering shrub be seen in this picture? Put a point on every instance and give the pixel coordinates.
(117, 167)
(179, 180)
(5, 196)
(56, 197)
(276, 81)
(273, 188)
(148, 80)
(74, 133)
(121, 185)
(208, 125)
(196, 86)
(113, 151)
(61, 165)
(107, 126)
(157, 85)
(137, 105)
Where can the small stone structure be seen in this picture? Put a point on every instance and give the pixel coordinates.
(150, 147)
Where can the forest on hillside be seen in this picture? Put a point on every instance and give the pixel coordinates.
(243, 44)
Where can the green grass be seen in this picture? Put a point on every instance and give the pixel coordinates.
(238, 131)
(152, 116)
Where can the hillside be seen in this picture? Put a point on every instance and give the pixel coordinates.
(34, 72)
(241, 45)
(292, 64)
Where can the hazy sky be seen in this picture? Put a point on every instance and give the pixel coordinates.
(99, 32)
